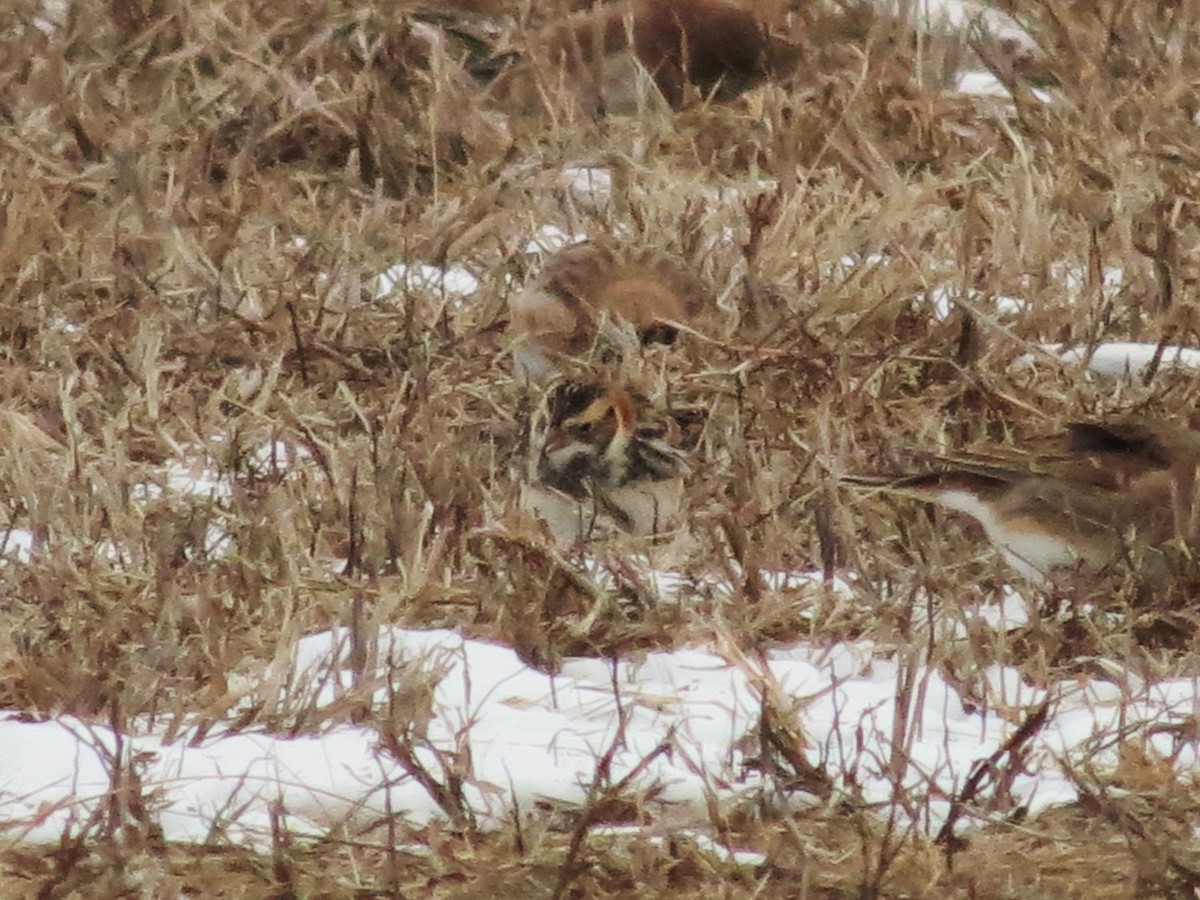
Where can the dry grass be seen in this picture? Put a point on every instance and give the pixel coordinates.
(161, 159)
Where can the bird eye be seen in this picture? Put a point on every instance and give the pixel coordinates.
(659, 334)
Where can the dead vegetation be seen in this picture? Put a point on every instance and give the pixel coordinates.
(196, 199)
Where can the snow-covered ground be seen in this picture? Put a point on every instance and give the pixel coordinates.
(519, 738)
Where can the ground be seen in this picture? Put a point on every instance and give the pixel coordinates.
(197, 201)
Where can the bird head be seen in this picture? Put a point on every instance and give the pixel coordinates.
(596, 440)
(594, 302)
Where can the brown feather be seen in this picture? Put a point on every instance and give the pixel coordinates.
(1118, 484)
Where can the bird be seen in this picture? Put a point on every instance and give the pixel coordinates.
(588, 292)
(720, 47)
(604, 467)
(1119, 494)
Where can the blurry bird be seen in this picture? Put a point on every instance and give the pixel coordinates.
(603, 468)
(720, 47)
(586, 293)
(1118, 495)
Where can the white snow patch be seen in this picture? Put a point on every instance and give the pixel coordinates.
(17, 544)
(944, 296)
(982, 83)
(1119, 358)
(549, 238)
(960, 15)
(454, 281)
(588, 186)
(517, 735)
(704, 842)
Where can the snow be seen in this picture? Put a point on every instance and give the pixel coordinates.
(944, 296)
(550, 238)
(521, 736)
(1114, 359)
(456, 281)
(17, 544)
(981, 83)
(964, 15)
(589, 186)
(1118, 358)
(701, 840)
